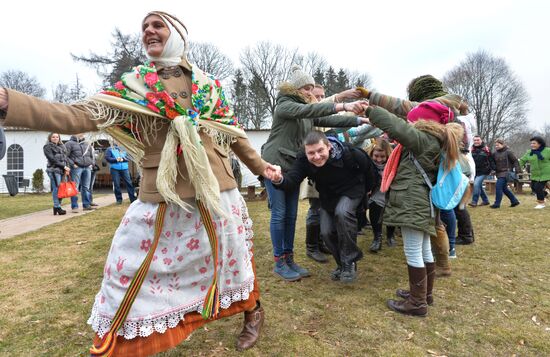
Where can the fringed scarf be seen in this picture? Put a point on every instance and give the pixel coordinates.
(138, 96)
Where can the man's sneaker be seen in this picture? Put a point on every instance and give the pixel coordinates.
(484, 204)
(494, 206)
(540, 206)
(515, 204)
(75, 210)
(289, 259)
(471, 204)
(452, 253)
(93, 204)
(335, 274)
(88, 208)
(464, 241)
(284, 270)
(349, 273)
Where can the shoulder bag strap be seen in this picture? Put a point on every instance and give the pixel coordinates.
(426, 179)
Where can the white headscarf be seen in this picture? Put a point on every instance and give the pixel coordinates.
(175, 48)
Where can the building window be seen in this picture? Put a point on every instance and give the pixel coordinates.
(15, 162)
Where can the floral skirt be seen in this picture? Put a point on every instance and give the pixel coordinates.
(182, 267)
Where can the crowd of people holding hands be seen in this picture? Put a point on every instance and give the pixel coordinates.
(183, 254)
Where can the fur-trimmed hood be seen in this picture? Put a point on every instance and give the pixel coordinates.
(287, 89)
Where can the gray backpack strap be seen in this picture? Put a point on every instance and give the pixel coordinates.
(426, 179)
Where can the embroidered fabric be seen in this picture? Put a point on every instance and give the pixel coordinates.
(180, 285)
(145, 327)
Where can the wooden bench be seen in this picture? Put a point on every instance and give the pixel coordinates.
(517, 186)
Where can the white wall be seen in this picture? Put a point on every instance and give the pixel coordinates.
(257, 139)
(32, 143)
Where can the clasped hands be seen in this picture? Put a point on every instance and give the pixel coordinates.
(273, 173)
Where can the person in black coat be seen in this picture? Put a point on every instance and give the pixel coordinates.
(58, 164)
(342, 175)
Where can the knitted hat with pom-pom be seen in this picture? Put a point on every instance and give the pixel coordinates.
(299, 78)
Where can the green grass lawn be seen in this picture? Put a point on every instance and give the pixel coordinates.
(496, 303)
(12, 206)
(20, 204)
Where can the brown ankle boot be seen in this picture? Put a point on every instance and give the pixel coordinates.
(253, 321)
(430, 272)
(415, 305)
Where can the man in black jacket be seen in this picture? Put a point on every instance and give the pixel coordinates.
(484, 165)
(342, 175)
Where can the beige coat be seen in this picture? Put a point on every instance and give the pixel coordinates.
(29, 112)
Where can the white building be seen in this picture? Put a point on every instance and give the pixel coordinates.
(25, 154)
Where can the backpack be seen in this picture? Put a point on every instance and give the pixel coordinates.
(449, 187)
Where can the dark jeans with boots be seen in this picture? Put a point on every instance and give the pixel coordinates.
(339, 232)
(375, 216)
(314, 245)
(465, 229)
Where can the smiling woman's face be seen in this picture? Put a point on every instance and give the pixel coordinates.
(154, 34)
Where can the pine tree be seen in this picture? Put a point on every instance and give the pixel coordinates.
(331, 85)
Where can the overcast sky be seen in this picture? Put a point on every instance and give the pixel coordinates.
(393, 41)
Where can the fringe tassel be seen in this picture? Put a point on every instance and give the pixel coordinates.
(207, 188)
(108, 343)
(211, 306)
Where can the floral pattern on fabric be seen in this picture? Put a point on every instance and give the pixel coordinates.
(159, 100)
(181, 271)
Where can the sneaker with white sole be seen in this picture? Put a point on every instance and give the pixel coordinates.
(452, 253)
(540, 206)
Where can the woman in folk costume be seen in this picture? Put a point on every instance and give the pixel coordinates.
(182, 255)
(408, 206)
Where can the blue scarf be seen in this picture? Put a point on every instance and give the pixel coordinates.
(538, 152)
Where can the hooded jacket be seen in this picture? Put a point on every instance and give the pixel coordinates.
(293, 118)
(408, 201)
(57, 157)
(540, 169)
(348, 172)
(79, 152)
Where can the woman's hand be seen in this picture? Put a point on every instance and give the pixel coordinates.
(348, 94)
(358, 107)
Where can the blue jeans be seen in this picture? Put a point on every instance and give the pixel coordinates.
(55, 180)
(284, 209)
(81, 177)
(125, 175)
(449, 218)
(479, 191)
(502, 188)
(417, 247)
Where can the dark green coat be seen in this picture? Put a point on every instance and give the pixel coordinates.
(407, 201)
(292, 121)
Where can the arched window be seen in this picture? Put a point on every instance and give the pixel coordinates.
(15, 162)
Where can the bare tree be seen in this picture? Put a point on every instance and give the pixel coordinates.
(269, 65)
(210, 59)
(312, 62)
(357, 79)
(22, 82)
(65, 93)
(495, 95)
(126, 52)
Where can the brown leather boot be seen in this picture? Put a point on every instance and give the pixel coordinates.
(440, 244)
(430, 272)
(415, 305)
(253, 322)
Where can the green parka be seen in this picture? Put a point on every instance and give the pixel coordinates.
(292, 121)
(407, 201)
(540, 169)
